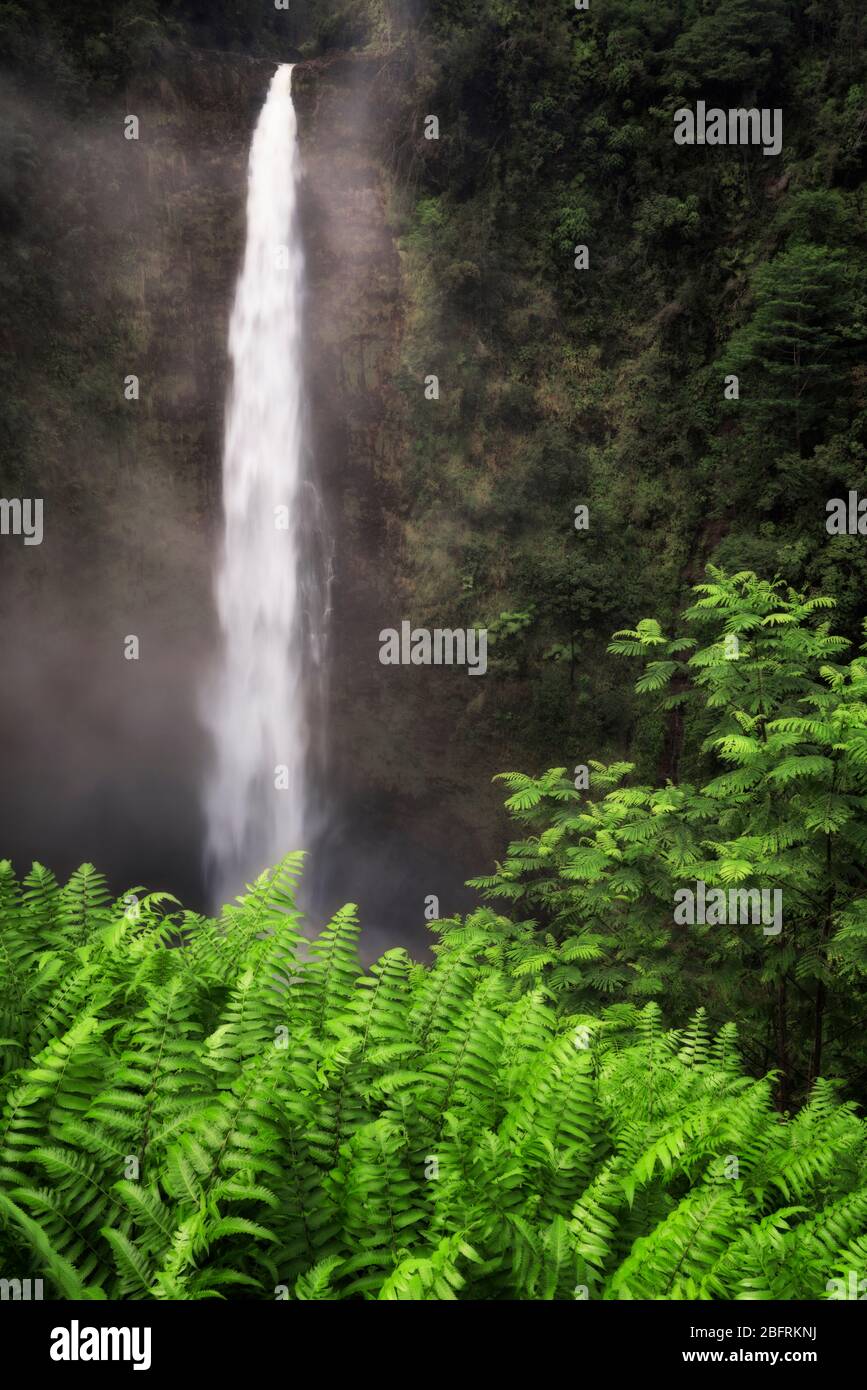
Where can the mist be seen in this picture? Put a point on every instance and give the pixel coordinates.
(137, 247)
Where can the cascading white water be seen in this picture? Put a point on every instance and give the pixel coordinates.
(271, 602)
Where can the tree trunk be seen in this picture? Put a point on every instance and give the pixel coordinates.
(782, 1031)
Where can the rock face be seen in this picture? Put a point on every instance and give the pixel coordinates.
(405, 822)
(128, 252)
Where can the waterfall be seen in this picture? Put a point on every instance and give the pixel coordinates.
(272, 582)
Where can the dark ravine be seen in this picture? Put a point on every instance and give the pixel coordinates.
(407, 807)
(161, 235)
(568, 380)
(449, 256)
(134, 249)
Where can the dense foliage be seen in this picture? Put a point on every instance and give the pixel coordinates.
(195, 1108)
(243, 1115)
(560, 1105)
(778, 803)
(605, 387)
(557, 387)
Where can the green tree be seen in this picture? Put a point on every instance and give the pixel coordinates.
(793, 353)
(783, 723)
